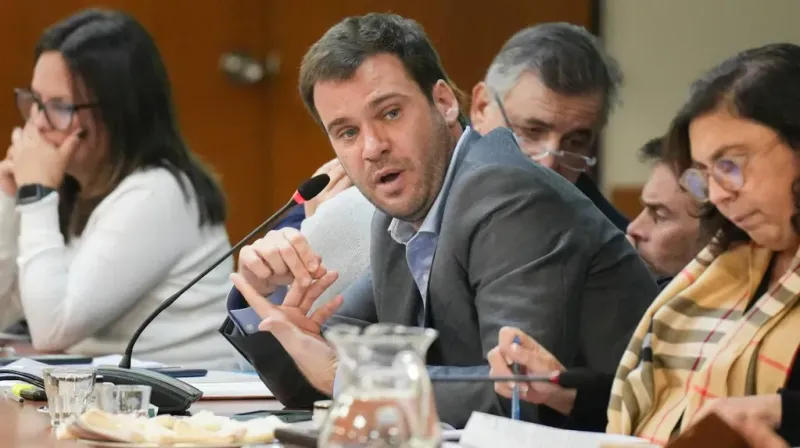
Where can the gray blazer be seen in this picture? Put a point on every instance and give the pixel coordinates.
(518, 246)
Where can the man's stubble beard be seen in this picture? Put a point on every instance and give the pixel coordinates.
(440, 149)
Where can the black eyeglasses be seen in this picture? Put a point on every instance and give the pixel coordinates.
(59, 114)
(534, 150)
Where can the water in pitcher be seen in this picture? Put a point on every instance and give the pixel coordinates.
(385, 398)
(378, 419)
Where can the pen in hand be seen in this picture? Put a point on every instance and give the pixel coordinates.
(515, 391)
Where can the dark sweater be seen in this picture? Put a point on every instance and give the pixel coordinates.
(589, 189)
(293, 218)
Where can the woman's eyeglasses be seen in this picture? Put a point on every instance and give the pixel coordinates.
(728, 172)
(59, 115)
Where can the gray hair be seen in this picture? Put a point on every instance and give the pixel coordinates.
(566, 57)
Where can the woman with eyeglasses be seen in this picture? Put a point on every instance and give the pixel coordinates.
(104, 210)
(724, 335)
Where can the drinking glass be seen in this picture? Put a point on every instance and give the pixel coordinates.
(123, 399)
(68, 390)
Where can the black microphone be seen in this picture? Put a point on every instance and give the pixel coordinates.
(307, 191)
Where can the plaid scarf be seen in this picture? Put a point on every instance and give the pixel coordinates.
(696, 342)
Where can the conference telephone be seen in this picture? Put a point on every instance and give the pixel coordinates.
(170, 395)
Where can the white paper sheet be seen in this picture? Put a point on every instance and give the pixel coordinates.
(484, 430)
(219, 385)
(113, 360)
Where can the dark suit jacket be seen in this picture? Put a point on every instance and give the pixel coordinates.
(587, 187)
(519, 245)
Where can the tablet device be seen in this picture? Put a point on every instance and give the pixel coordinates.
(180, 372)
(286, 415)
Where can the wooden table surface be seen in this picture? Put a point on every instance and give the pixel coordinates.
(22, 425)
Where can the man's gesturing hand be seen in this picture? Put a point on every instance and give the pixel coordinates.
(298, 333)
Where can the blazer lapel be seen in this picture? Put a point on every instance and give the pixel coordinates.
(397, 298)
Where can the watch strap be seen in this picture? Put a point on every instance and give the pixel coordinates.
(30, 193)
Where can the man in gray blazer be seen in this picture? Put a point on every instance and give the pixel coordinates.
(470, 235)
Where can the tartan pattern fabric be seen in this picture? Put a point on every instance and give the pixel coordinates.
(696, 342)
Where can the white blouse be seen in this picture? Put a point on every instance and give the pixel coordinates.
(140, 245)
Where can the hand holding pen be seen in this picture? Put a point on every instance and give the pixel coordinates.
(515, 347)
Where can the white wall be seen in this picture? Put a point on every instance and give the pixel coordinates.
(662, 46)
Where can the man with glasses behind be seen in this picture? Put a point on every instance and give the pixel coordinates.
(555, 88)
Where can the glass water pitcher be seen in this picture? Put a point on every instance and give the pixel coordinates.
(383, 393)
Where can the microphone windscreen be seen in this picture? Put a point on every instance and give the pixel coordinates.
(312, 187)
(579, 378)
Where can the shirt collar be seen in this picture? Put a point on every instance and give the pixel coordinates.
(403, 231)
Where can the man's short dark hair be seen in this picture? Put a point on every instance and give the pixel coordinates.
(652, 150)
(566, 58)
(342, 49)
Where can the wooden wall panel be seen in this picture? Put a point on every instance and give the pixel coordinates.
(259, 137)
(627, 199)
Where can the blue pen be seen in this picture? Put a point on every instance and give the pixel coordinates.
(515, 392)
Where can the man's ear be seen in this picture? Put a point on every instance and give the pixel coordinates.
(445, 100)
(481, 100)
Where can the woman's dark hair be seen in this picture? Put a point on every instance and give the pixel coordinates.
(117, 61)
(760, 84)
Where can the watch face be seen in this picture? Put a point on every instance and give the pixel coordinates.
(32, 193)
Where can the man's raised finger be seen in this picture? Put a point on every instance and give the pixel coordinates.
(297, 291)
(326, 311)
(302, 278)
(316, 289)
(300, 245)
(259, 304)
